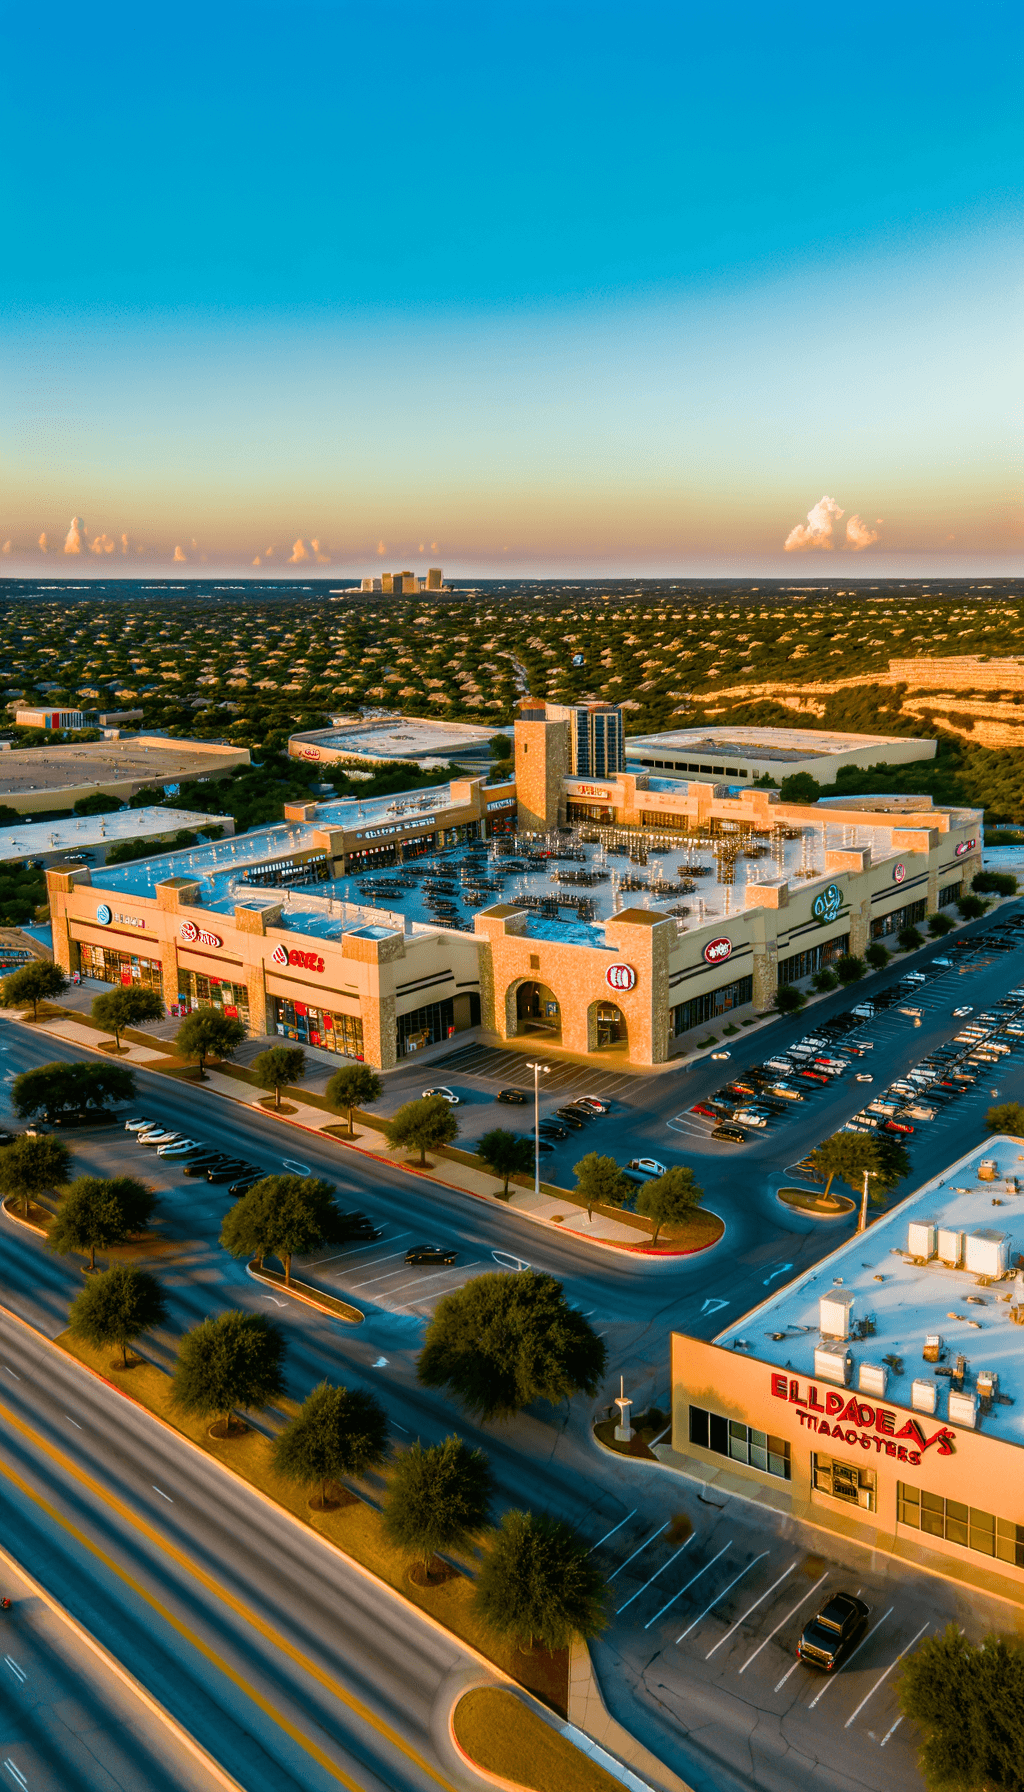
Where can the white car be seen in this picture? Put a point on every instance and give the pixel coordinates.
(447, 1095)
(592, 1102)
(158, 1136)
(920, 1112)
(140, 1125)
(958, 1013)
(177, 1147)
(648, 1166)
(864, 1077)
(721, 1054)
(751, 1117)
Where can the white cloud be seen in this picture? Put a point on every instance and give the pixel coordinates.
(322, 559)
(43, 543)
(382, 547)
(124, 544)
(101, 544)
(817, 531)
(256, 562)
(74, 541)
(180, 555)
(858, 535)
(8, 547)
(299, 553)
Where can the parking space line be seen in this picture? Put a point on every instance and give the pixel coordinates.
(892, 1731)
(721, 1596)
(753, 1608)
(885, 1676)
(690, 1583)
(357, 1251)
(639, 1547)
(849, 1658)
(383, 1278)
(654, 1576)
(779, 1684)
(612, 1532)
(419, 1281)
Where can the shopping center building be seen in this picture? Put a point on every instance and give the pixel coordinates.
(621, 914)
(881, 1395)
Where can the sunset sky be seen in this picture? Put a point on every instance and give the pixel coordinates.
(531, 288)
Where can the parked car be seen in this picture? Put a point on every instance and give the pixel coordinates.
(359, 1225)
(233, 1169)
(553, 1129)
(198, 1166)
(757, 1117)
(447, 1095)
(903, 1127)
(786, 1092)
(430, 1253)
(138, 1125)
(705, 1108)
(514, 1097)
(592, 1101)
(733, 1135)
(158, 1137)
(834, 1632)
(571, 1118)
(179, 1147)
(643, 1169)
(245, 1183)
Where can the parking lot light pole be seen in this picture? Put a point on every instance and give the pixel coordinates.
(537, 1068)
(862, 1224)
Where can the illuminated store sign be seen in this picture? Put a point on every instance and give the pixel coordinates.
(105, 915)
(853, 1421)
(717, 951)
(593, 790)
(414, 821)
(506, 802)
(193, 935)
(620, 976)
(899, 872)
(965, 846)
(306, 961)
(826, 906)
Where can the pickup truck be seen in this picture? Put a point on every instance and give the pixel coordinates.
(834, 1632)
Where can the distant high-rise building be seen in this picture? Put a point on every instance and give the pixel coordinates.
(435, 578)
(387, 582)
(409, 582)
(596, 737)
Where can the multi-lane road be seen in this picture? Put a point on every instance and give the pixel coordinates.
(705, 1682)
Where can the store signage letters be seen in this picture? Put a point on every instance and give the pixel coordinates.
(506, 802)
(717, 951)
(855, 1422)
(414, 821)
(306, 961)
(194, 935)
(828, 904)
(105, 915)
(899, 872)
(620, 976)
(965, 846)
(592, 790)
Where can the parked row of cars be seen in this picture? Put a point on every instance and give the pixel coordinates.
(948, 1072)
(766, 1091)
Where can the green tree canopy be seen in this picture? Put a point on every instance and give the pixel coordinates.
(939, 925)
(909, 939)
(117, 1306)
(123, 1007)
(505, 1153)
(849, 1154)
(996, 883)
(31, 1166)
(439, 1499)
(799, 787)
(354, 1086)
(502, 1341)
(1007, 1117)
(208, 1033)
(971, 908)
(36, 982)
(99, 1212)
(422, 1126)
(66, 1088)
(338, 1431)
(279, 1065)
(234, 1360)
(670, 1199)
(967, 1700)
(849, 968)
(284, 1216)
(539, 1584)
(600, 1182)
(788, 999)
(877, 956)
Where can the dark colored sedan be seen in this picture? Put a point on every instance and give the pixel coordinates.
(834, 1632)
(570, 1118)
(245, 1183)
(430, 1253)
(734, 1135)
(553, 1129)
(514, 1097)
(230, 1171)
(198, 1166)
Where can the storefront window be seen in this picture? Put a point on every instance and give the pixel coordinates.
(958, 1523)
(197, 990)
(950, 893)
(320, 1027)
(425, 1026)
(898, 919)
(707, 1007)
(109, 965)
(804, 964)
(731, 1437)
(846, 1481)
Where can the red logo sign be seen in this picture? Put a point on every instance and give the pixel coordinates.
(306, 961)
(846, 1418)
(190, 933)
(717, 951)
(899, 872)
(965, 846)
(620, 976)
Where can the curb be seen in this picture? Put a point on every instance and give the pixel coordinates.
(301, 1291)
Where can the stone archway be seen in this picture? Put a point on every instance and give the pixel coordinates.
(532, 1008)
(607, 1029)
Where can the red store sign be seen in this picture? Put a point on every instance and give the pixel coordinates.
(306, 961)
(717, 951)
(844, 1417)
(193, 935)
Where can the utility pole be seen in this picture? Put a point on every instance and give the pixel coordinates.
(863, 1222)
(537, 1069)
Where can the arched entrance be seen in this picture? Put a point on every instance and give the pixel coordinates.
(608, 1028)
(538, 1011)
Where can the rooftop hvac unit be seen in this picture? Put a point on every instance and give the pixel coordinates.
(987, 1170)
(963, 1409)
(873, 1378)
(932, 1351)
(833, 1362)
(987, 1253)
(834, 1313)
(921, 1239)
(950, 1246)
(923, 1395)
(987, 1382)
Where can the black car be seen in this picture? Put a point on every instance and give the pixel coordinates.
(581, 1111)
(198, 1166)
(430, 1253)
(231, 1170)
(514, 1097)
(245, 1183)
(553, 1129)
(735, 1135)
(833, 1632)
(571, 1118)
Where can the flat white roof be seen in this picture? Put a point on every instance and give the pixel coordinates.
(27, 839)
(766, 743)
(400, 737)
(909, 1300)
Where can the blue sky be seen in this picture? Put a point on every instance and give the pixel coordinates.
(562, 288)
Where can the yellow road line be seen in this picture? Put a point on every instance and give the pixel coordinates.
(235, 1605)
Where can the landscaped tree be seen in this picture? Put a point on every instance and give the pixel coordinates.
(877, 956)
(502, 1341)
(600, 1182)
(800, 787)
(505, 1153)
(846, 1155)
(36, 982)
(789, 999)
(30, 1167)
(116, 1009)
(338, 1431)
(538, 1583)
(971, 908)
(909, 939)
(422, 1126)
(825, 979)
(116, 1307)
(233, 1360)
(354, 1086)
(439, 1500)
(996, 883)
(670, 1199)
(280, 1065)
(54, 1090)
(1009, 1117)
(938, 925)
(284, 1216)
(97, 1213)
(208, 1033)
(849, 968)
(967, 1700)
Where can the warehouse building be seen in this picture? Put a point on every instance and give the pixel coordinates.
(34, 779)
(749, 753)
(89, 839)
(880, 1394)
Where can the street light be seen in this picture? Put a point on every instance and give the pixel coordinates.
(537, 1069)
(862, 1224)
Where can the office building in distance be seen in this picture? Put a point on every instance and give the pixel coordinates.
(749, 753)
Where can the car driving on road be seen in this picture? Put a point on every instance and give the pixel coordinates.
(447, 1095)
